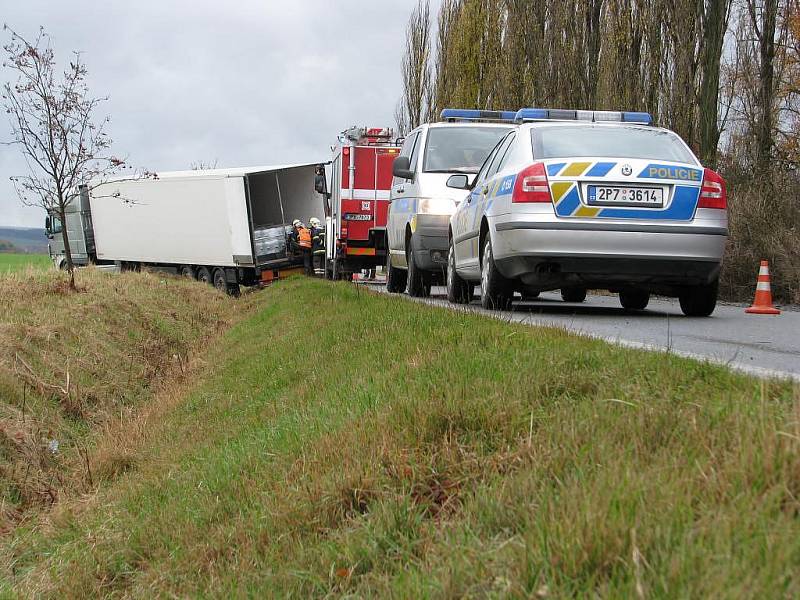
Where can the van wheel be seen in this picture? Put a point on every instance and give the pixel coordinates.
(203, 274)
(495, 289)
(634, 299)
(699, 301)
(573, 294)
(458, 290)
(419, 286)
(396, 279)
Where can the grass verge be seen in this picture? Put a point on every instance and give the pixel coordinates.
(73, 363)
(341, 442)
(10, 262)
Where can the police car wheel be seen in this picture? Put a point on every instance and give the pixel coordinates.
(458, 290)
(395, 278)
(573, 294)
(634, 299)
(495, 289)
(418, 285)
(699, 301)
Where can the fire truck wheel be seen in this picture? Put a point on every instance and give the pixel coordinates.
(203, 274)
(396, 279)
(419, 286)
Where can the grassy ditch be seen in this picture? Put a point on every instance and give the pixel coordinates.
(71, 363)
(341, 442)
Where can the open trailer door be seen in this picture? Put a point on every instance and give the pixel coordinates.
(278, 196)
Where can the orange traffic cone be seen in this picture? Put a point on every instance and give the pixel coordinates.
(762, 305)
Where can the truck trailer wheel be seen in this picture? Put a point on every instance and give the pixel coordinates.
(186, 271)
(219, 281)
(203, 274)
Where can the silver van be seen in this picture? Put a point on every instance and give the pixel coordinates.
(420, 201)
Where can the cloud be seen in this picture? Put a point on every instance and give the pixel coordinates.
(241, 83)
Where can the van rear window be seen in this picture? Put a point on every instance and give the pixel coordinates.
(460, 149)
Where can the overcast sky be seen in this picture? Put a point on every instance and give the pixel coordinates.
(242, 83)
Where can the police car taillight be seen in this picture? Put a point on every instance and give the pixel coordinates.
(531, 185)
(713, 193)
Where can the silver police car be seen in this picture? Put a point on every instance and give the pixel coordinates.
(577, 200)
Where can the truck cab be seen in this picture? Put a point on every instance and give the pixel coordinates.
(78, 221)
(420, 201)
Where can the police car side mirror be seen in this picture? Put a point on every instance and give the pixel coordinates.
(458, 182)
(401, 168)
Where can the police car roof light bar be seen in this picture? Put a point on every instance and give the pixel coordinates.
(468, 114)
(593, 116)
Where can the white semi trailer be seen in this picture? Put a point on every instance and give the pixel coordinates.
(228, 227)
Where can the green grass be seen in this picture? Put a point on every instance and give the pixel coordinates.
(72, 363)
(10, 262)
(339, 442)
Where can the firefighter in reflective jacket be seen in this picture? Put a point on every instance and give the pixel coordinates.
(300, 240)
(317, 243)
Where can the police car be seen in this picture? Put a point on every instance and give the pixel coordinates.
(576, 200)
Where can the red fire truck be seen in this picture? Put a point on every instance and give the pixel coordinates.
(360, 181)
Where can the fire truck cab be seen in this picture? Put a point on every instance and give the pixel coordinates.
(358, 202)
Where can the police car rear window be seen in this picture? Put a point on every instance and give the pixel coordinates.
(460, 149)
(613, 141)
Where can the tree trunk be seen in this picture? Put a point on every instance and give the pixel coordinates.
(766, 88)
(65, 237)
(714, 25)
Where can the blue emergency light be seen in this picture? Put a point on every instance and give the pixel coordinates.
(468, 114)
(594, 116)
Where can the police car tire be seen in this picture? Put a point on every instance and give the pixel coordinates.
(699, 301)
(418, 285)
(573, 294)
(395, 278)
(496, 291)
(634, 299)
(458, 290)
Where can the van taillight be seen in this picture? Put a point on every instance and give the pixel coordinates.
(713, 193)
(531, 185)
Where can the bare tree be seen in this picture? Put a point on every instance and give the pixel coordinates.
(416, 70)
(53, 123)
(204, 165)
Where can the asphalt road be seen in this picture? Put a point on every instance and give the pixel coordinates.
(759, 344)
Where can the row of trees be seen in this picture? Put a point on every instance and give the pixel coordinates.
(721, 73)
